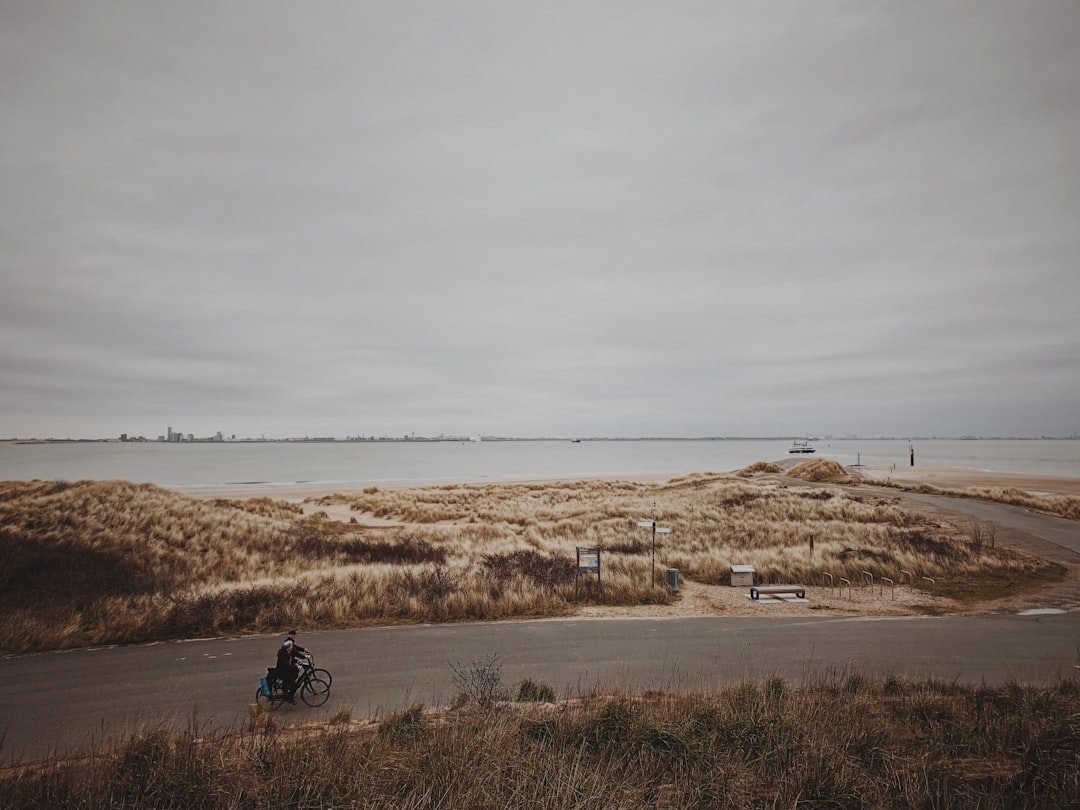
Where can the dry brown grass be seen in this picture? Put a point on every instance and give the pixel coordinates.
(757, 468)
(821, 470)
(106, 562)
(844, 741)
(715, 520)
(1067, 506)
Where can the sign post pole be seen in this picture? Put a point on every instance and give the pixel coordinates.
(655, 530)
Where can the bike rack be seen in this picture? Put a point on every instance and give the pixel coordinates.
(910, 576)
(892, 587)
(930, 580)
(844, 582)
(869, 576)
(827, 574)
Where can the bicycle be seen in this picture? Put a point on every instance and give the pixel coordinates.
(312, 685)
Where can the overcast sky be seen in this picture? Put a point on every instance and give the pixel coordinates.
(539, 219)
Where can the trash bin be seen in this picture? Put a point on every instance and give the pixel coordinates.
(673, 578)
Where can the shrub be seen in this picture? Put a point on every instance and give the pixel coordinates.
(533, 691)
(543, 570)
(404, 726)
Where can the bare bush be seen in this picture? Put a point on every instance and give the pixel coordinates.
(982, 534)
(480, 682)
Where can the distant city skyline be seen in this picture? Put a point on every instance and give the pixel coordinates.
(219, 436)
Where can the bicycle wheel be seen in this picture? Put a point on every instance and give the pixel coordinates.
(322, 675)
(315, 691)
(265, 701)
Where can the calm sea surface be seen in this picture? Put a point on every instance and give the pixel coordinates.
(191, 467)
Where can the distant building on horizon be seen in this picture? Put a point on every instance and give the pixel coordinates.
(176, 436)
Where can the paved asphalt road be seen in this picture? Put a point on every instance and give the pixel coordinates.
(1060, 532)
(61, 702)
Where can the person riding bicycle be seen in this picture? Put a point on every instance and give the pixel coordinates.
(286, 668)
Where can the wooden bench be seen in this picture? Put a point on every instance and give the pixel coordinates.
(772, 590)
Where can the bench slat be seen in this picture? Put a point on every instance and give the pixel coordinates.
(798, 590)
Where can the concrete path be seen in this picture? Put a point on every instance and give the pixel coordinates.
(1060, 532)
(62, 702)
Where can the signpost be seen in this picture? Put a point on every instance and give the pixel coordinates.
(655, 531)
(588, 563)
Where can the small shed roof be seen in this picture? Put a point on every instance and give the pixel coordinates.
(742, 569)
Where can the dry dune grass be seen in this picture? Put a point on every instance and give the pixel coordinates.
(1064, 505)
(1028, 492)
(844, 740)
(758, 467)
(821, 470)
(105, 562)
(715, 520)
(1067, 506)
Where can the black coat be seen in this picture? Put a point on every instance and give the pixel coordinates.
(287, 655)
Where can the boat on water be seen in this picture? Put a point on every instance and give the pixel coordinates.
(799, 446)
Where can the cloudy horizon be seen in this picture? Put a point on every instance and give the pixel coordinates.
(603, 219)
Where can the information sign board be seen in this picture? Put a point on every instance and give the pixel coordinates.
(588, 563)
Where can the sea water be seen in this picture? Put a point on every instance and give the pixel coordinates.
(264, 465)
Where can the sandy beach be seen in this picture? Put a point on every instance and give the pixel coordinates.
(296, 493)
(943, 477)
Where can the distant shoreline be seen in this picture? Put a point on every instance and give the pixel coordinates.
(458, 439)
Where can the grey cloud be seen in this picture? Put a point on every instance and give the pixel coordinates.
(679, 219)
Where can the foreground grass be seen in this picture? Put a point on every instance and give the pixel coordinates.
(98, 562)
(849, 741)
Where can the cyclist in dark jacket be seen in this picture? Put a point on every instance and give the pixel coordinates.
(286, 669)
